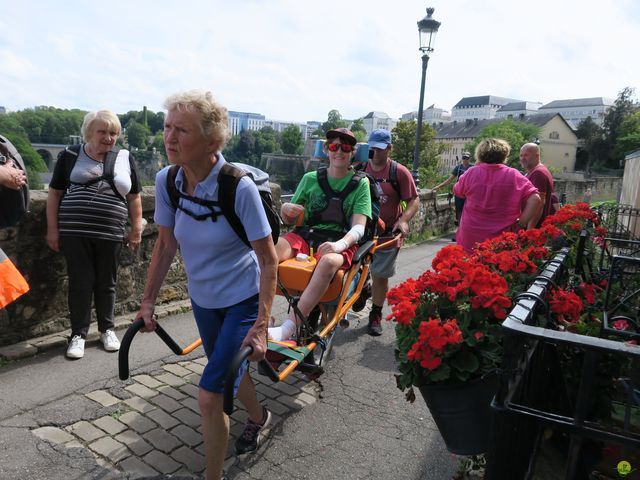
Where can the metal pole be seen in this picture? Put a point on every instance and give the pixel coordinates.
(416, 151)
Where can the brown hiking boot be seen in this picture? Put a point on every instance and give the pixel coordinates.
(375, 323)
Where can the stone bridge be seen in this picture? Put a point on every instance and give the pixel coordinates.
(49, 152)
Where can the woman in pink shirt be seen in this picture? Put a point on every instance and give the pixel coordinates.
(495, 194)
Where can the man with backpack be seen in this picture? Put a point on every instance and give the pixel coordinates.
(456, 173)
(399, 202)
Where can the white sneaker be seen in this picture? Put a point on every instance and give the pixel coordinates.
(110, 341)
(76, 347)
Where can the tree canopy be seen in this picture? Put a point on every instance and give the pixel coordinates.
(606, 146)
(137, 134)
(404, 141)
(513, 132)
(291, 140)
(334, 120)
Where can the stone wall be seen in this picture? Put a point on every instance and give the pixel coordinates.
(44, 309)
(602, 188)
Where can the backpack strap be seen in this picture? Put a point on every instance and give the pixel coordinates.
(108, 169)
(172, 191)
(69, 156)
(109, 172)
(175, 195)
(228, 180)
(393, 177)
(333, 211)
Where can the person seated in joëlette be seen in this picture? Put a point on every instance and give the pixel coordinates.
(333, 231)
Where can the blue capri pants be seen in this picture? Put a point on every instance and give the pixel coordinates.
(222, 331)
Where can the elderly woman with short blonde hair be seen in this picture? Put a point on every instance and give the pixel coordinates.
(86, 221)
(498, 197)
(231, 284)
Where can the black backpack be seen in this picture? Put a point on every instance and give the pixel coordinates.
(393, 176)
(228, 179)
(14, 204)
(70, 155)
(334, 213)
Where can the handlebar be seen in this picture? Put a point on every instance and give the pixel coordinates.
(125, 344)
(241, 356)
(230, 379)
(389, 243)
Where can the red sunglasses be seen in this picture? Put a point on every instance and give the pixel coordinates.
(345, 147)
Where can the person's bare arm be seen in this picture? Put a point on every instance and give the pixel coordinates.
(11, 177)
(257, 335)
(402, 224)
(531, 213)
(164, 251)
(345, 242)
(53, 204)
(290, 212)
(444, 183)
(135, 219)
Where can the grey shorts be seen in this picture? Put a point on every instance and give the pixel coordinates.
(384, 263)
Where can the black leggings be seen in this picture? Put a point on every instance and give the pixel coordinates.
(92, 267)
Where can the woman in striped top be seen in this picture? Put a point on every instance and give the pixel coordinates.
(86, 221)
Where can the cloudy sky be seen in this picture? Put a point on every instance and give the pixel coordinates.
(296, 59)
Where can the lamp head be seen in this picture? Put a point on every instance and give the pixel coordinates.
(427, 29)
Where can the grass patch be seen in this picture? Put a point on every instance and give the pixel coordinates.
(5, 361)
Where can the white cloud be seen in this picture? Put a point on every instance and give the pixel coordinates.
(292, 61)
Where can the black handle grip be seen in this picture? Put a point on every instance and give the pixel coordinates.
(125, 344)
(123, 354)
(230, 379)
(162, 333)
(267, 369)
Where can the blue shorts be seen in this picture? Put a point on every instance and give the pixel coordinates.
(222, 331)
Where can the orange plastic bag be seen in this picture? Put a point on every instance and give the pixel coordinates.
(12, 283)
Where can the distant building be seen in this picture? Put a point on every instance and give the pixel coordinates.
(479, 108)
(3, 110)
(518, 110)
(431, 115)
(313, 126)
(558, 141)
(280, 126)
(240, 121)
(373, 120)
(578, 109)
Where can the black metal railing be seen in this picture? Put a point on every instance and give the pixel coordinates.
(550, 378)
(621, 221)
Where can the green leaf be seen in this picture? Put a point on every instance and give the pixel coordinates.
(443, 372)
(465, 361)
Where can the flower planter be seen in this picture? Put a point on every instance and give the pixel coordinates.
(462, 413)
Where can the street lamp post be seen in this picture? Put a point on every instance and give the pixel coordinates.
(427, 29)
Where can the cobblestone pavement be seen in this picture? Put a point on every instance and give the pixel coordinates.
(353, 423)
(156, 429)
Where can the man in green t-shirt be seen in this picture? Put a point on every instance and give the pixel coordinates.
(338, 226)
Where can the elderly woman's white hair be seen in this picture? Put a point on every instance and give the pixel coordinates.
(106, 116)
(214, 119)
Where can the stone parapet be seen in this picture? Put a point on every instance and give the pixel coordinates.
(43, 311)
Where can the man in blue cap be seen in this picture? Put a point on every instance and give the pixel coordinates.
(399, 202)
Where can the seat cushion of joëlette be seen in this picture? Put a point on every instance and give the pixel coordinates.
(296, 284)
